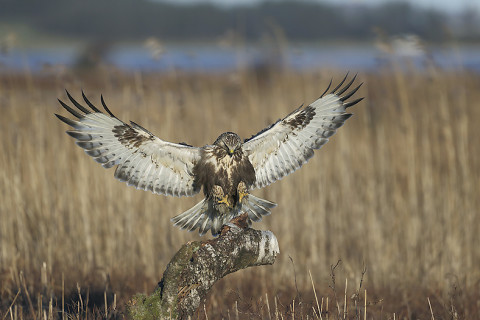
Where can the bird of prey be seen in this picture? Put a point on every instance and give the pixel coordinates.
(227, 170)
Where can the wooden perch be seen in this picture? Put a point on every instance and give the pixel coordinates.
(197, 266)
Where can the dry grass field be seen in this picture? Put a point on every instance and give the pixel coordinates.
(394, 195)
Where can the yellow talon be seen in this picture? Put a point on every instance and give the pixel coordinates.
(224, 200)
(242, 191)
(241, 195)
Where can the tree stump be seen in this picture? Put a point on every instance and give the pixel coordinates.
(197, 266)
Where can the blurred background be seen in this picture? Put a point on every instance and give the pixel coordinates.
(223, 35)
(394, 195)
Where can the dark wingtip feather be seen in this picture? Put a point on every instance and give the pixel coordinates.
(72, 111)
(354, 102)
(70, 122)
(346, 86)
(340, 84)
(89, 103)
(78, 105)
(351, 93)
(62, 118)
(105, 106)
(329, 85)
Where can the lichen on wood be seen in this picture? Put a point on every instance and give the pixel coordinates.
(197, 266)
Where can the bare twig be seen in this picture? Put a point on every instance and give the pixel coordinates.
(333, 287)
(30, 304)
(365, 306)
(345, 300)
(296, 287)
(316, 298)
(106, 304)
(10, 308)
(431, 311)
(63, 296)
(356, 296)
(268, 306)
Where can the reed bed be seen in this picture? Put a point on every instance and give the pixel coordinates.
(394, 195)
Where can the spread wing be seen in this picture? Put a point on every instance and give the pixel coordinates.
(143, 160)
(290, 142)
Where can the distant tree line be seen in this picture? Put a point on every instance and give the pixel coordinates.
(298, 20)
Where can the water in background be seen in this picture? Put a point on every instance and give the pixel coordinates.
(214, 58)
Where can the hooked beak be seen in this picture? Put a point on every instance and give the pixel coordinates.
(231, 151)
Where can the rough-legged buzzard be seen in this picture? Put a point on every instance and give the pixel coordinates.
(227, 170)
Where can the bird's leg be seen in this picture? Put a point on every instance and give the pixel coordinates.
(242, 191)
(224, 199)
(219, 196)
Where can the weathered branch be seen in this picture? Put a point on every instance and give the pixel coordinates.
(197, 266)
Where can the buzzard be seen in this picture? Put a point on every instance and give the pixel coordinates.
(227, 170)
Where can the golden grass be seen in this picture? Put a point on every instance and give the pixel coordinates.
(397, 189)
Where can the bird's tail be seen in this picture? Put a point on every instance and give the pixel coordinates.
(198, 216)
(204, 217)
(257, 207)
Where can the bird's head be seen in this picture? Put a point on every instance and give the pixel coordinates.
(230, 142)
